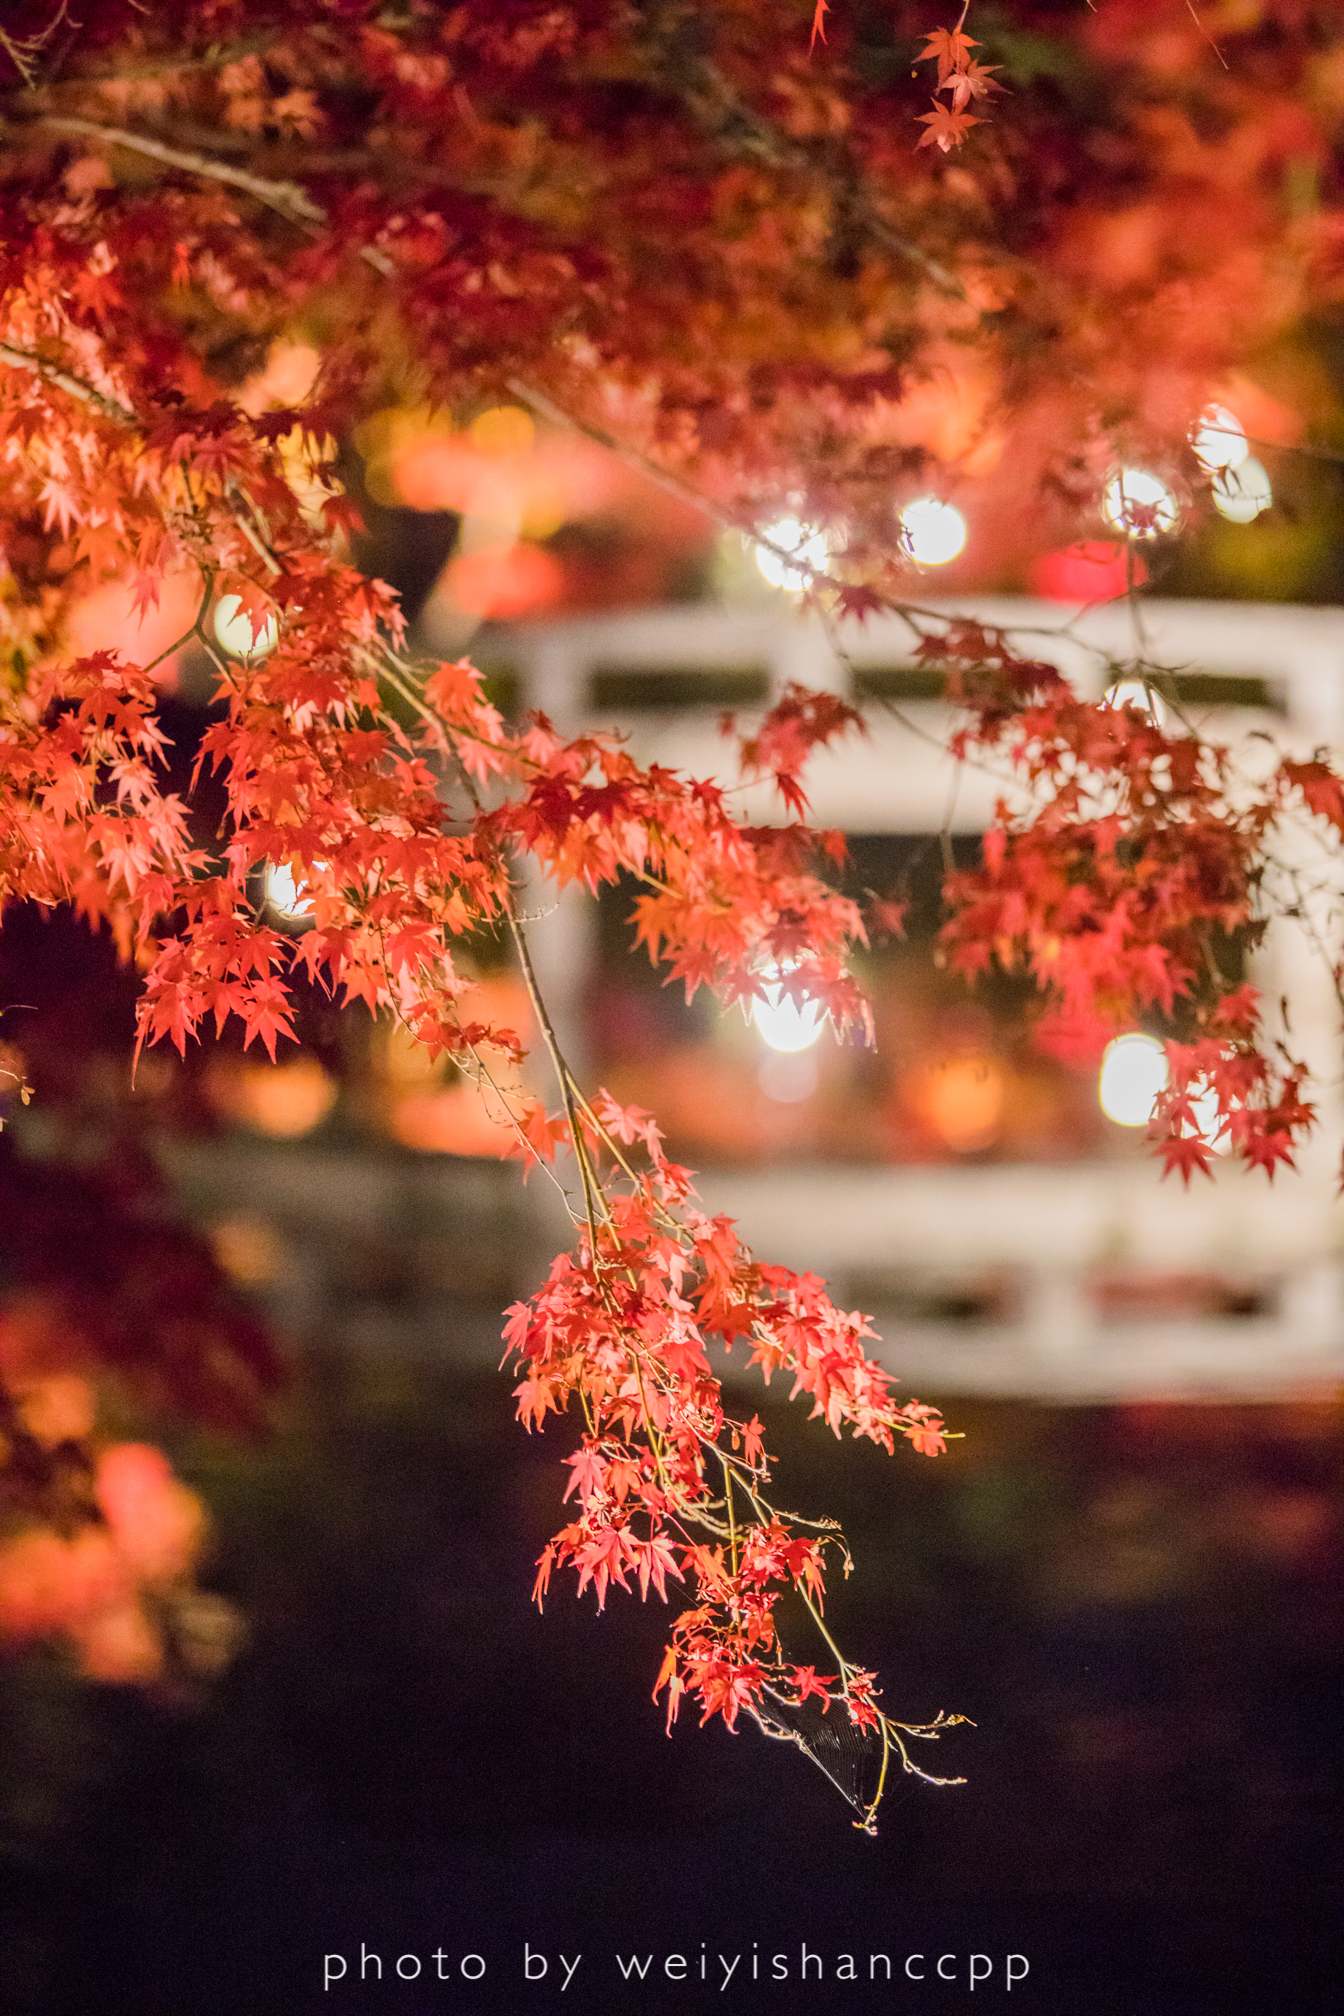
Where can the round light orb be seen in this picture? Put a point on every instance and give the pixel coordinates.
(1139, 504)
(786, 1024)
(933, 532)
(1220, 440)
(286, 896)
(803, 542)
(1242, 494)
(1133, 1076)
(235, 634)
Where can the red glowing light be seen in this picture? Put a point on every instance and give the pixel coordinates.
(1095, 570)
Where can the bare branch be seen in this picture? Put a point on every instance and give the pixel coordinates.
(28, 360)
(287, 198)
(24, 51)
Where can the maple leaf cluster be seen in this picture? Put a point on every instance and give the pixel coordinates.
(965, 82)
(668, 1484)
(666, 227)
(1137, 867)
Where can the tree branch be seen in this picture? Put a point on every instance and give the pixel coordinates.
(287, 198)
(28, 360)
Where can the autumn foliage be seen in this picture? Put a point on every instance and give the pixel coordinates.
(733, 258)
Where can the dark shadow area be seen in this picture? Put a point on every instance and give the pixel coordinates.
(1137, 1606)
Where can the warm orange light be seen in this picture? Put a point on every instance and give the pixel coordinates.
(248, 1250)
(109, 619)
(58, 1409)
(283, 1100)
(286, 378)
(505, 581)
(458, 1120)
(961, 1098)
(435, 1118)
(88, 1586)
(155, 1520)
(504, 430)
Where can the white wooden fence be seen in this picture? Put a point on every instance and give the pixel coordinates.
(1088, 1281)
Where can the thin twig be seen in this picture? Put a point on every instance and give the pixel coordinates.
(1190, 4)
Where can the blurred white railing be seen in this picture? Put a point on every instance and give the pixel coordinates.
(1066, 1281)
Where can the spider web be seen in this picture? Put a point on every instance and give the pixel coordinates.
(850, 1757)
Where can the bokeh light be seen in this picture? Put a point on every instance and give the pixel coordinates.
(503, 430)
(1139, 504)
(1091, 570)
(1220, 442)
(1133, 1078)
(788, 1077)
(1210, 1125)
(961, 1098)
(236, 633)
(807, 545)
(1139, 694)
(933, 532)
(1241, 494)
(287, 896)
(785, 1024)
(284, 1101)
(508, 579)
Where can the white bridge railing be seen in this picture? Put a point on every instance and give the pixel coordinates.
(1086, 1281)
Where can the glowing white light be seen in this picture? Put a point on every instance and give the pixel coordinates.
(1139, 504)
(1137, 693)
(786, 1024)
(1133, 1076)
(1210, 1125)
(286, 896)
(934, 532)
(805, 544)
(234, 631)
(1242, 494)
(1221, 440)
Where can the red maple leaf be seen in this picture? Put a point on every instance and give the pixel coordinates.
(1265, 1149)
(974, 80)
(807, 1681)
(1320, 787)
(950, 48)
(1186, 1153)
(945, 128)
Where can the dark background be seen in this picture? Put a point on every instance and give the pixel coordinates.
(1135, 1605)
